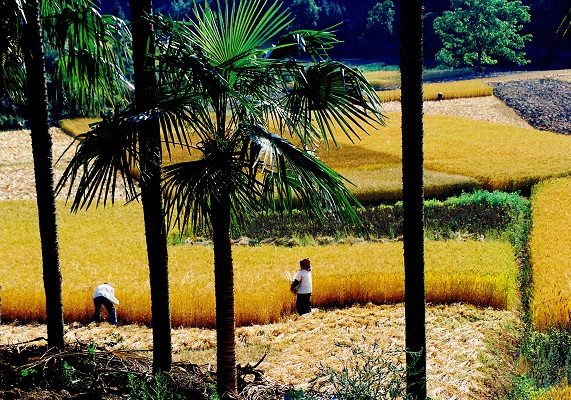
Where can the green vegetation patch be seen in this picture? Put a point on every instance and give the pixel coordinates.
(477, 215)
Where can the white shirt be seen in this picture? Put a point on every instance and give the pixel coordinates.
(304, 278)
(106, 291)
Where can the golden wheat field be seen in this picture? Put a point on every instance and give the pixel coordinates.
(447, 90)
(470, 347)
(110, 247)
(499, 156)
(459, 153)
(557, 393)
(550, 247)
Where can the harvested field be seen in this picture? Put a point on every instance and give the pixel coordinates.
(470, 349)
(487, 108)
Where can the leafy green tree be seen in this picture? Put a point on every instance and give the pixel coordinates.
(382, 17)
(306, 14)
(88, 75)
(180, 8)
(411, 66)
(476, 33)
(232, 101)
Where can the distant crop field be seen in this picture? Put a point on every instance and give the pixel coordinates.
(445, 90)
(498, 156)
(460, 154)
(108, 245)
(382, 76)
(550, 247)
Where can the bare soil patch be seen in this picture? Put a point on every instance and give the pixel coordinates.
(544, 103)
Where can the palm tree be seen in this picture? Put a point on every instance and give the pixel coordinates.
(232, 100)
(150, 181)
(112, 156)
(241, 103)
(42, 153)
(78, 33)
(411, 65)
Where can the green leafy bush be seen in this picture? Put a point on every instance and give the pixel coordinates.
(549, 355)
(368, 373)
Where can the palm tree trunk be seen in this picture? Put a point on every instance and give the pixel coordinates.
(224, 288)
(411, 60)
(43, 170)
(151, 189)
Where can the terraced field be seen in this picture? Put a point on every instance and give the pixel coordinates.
(464, 361)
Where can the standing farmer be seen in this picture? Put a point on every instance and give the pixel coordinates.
(105, 295)
(302, 286)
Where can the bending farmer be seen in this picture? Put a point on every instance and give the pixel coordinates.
(105, 295)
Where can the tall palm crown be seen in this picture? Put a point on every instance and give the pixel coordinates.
(91, 53)
(232, 92)
(240, 105)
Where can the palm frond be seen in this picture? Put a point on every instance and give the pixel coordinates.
(105, 156)
(329, 94)
(92, 53)
(13, 78)
(289, 174)
(236, 31)
(566, 21)
(191, 189)
(12, 72)
(314, 43)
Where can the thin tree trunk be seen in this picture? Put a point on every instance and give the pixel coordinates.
(224, 288)
(43, 170)
(411, 60)
(151, 189)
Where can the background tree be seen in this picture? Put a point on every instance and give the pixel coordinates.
(306, 14)
(475, 33)
(411, 66)
(381, 17)
(545, 51)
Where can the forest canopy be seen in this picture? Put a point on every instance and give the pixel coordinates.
(369, 28)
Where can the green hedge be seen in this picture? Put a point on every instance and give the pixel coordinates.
(477, 214)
